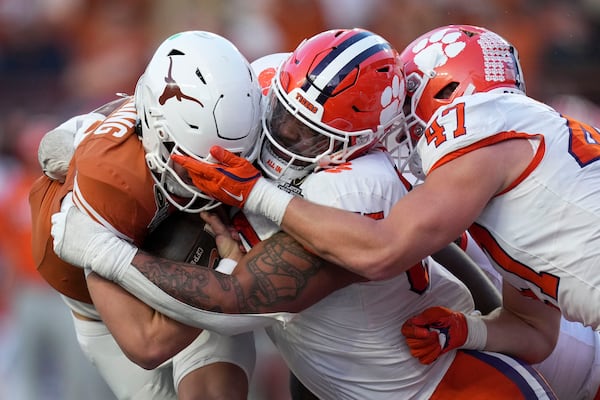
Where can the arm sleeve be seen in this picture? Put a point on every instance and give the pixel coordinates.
(226, 324)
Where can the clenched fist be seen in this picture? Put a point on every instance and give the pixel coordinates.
(434, 332)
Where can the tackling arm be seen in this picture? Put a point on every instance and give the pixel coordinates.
(147, 337)
(421, 223)
(524, 327)
(276, 275)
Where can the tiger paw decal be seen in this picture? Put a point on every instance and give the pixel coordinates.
(435, 50)
(390, 100)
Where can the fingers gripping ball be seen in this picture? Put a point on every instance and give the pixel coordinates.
(184, 237)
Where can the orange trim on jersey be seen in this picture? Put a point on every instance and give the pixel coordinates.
(499, 137)
(337, 168)
(407, 185)
(462, 241)
(547, 283)
(535, 161)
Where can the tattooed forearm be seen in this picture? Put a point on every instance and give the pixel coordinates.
(278, 274)
(188, 283)
(281, 272)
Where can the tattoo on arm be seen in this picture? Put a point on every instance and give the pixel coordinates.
(278, 274)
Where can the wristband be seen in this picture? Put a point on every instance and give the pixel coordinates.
(114, 260)
(226, 266)
(476, 333)
(267, 200)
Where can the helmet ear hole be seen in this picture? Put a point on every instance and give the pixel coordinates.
(447, 91)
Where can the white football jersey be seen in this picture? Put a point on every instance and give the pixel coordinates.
(543, 233)
(349, 345)
(573, 368)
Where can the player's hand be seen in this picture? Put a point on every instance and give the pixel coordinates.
(226, 238)
(236, 182)
(434, 332)
(230, 180)
(84, 243)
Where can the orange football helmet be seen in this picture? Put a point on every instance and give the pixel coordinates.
(452, 61)
(336, 96)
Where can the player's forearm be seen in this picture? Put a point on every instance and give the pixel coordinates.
(277, 275)
(341, 237)
(146, 337)
(509, 334)
(196, 286)
(147, 291)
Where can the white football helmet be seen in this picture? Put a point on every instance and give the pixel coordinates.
(334, 98)
(198, 91)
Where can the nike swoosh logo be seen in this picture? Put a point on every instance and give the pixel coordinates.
(239, 197)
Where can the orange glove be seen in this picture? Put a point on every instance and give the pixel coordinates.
(434, 332)
(230, 181)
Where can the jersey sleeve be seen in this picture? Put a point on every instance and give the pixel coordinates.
(44, 200)
(476, 121)
(351, 186)
(113, 183)
(468, 123)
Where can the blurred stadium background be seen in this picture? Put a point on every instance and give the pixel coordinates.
(59, 58)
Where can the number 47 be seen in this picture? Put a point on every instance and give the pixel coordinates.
(436, 133)
(584, 141)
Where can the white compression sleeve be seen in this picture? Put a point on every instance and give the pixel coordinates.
(226, 324)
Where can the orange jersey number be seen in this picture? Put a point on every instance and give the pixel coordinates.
(437, 133)
(584, 143)
(547, 283)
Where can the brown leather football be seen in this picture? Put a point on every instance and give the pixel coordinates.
(183, 237)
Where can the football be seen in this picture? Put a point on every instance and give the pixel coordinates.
(183, 237)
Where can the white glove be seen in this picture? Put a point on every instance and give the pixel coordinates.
(82, 242)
